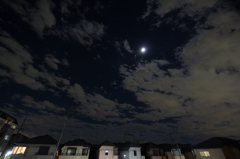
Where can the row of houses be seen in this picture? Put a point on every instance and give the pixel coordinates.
(44, 147)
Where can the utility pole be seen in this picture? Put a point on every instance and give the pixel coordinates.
(65, 122)
(174, 132)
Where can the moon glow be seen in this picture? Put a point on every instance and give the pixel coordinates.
(143, 49)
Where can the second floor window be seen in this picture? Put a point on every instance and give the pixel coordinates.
(71, 151)
(19, 150)
(85, 152)
(155, 152)
(205, 153)
(176, 153)
(106, 152)
(135, 153)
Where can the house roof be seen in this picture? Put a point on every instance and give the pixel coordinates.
(217, 142)
(77, 142)
(107, 143)
(127, 145)
(148, 146)
(45, 139)
(6, 116)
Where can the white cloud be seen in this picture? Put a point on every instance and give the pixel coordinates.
(189, 7)
(127, 46)
(203, 91)
(45, 105)
(39, 16)
(18, 63)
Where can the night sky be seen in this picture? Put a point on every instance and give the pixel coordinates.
(85, 56)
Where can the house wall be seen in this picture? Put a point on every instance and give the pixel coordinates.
(110, 152)
(216, 153)
(231, 152)
(122, 153)
(188, 155)
(31, 157)
(78, 154)
(131, 153)
(236, 152)
(32, 150)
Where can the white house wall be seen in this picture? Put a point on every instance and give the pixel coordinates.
(131, 153)
(78, 153)
(214, 153)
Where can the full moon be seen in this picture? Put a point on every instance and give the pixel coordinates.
(143, 49)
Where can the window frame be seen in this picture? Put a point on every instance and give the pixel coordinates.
(16, 151)
(106, 152)
(134, 153)
(204, 154)
(83, 150)
(71, 153)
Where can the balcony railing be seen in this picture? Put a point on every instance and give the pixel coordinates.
(76, 154)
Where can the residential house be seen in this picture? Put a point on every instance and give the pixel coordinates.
(187, 151)
(129, 150)
(218, 148)
(151, 151)
(8, 125)
(76, 149)
(41, 147)
(169, 151)
(107, 150)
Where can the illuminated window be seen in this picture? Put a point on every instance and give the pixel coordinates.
(6, 137)
(19, 150)
(85, 152)
(204, 153)
(71, 151)
(106, 152)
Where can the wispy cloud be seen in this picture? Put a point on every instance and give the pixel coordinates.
(127, 46)
(39, 15)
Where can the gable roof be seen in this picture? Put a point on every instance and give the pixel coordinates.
(107, 143)
(127, 145)
(217, 142)
(77, 142)
(45, 139)
(148, 146)
(6, 116)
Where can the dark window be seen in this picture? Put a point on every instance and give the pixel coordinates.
(176, 153)
(155, 152)
(135, 153)
(71, 151)
(106, 152)
(85, 152)
(43, 150)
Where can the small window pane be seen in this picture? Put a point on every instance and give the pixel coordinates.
(85, 152)
(155, 152)
(71, 151)
(135, 153)
(19, 150)
(176, 153)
